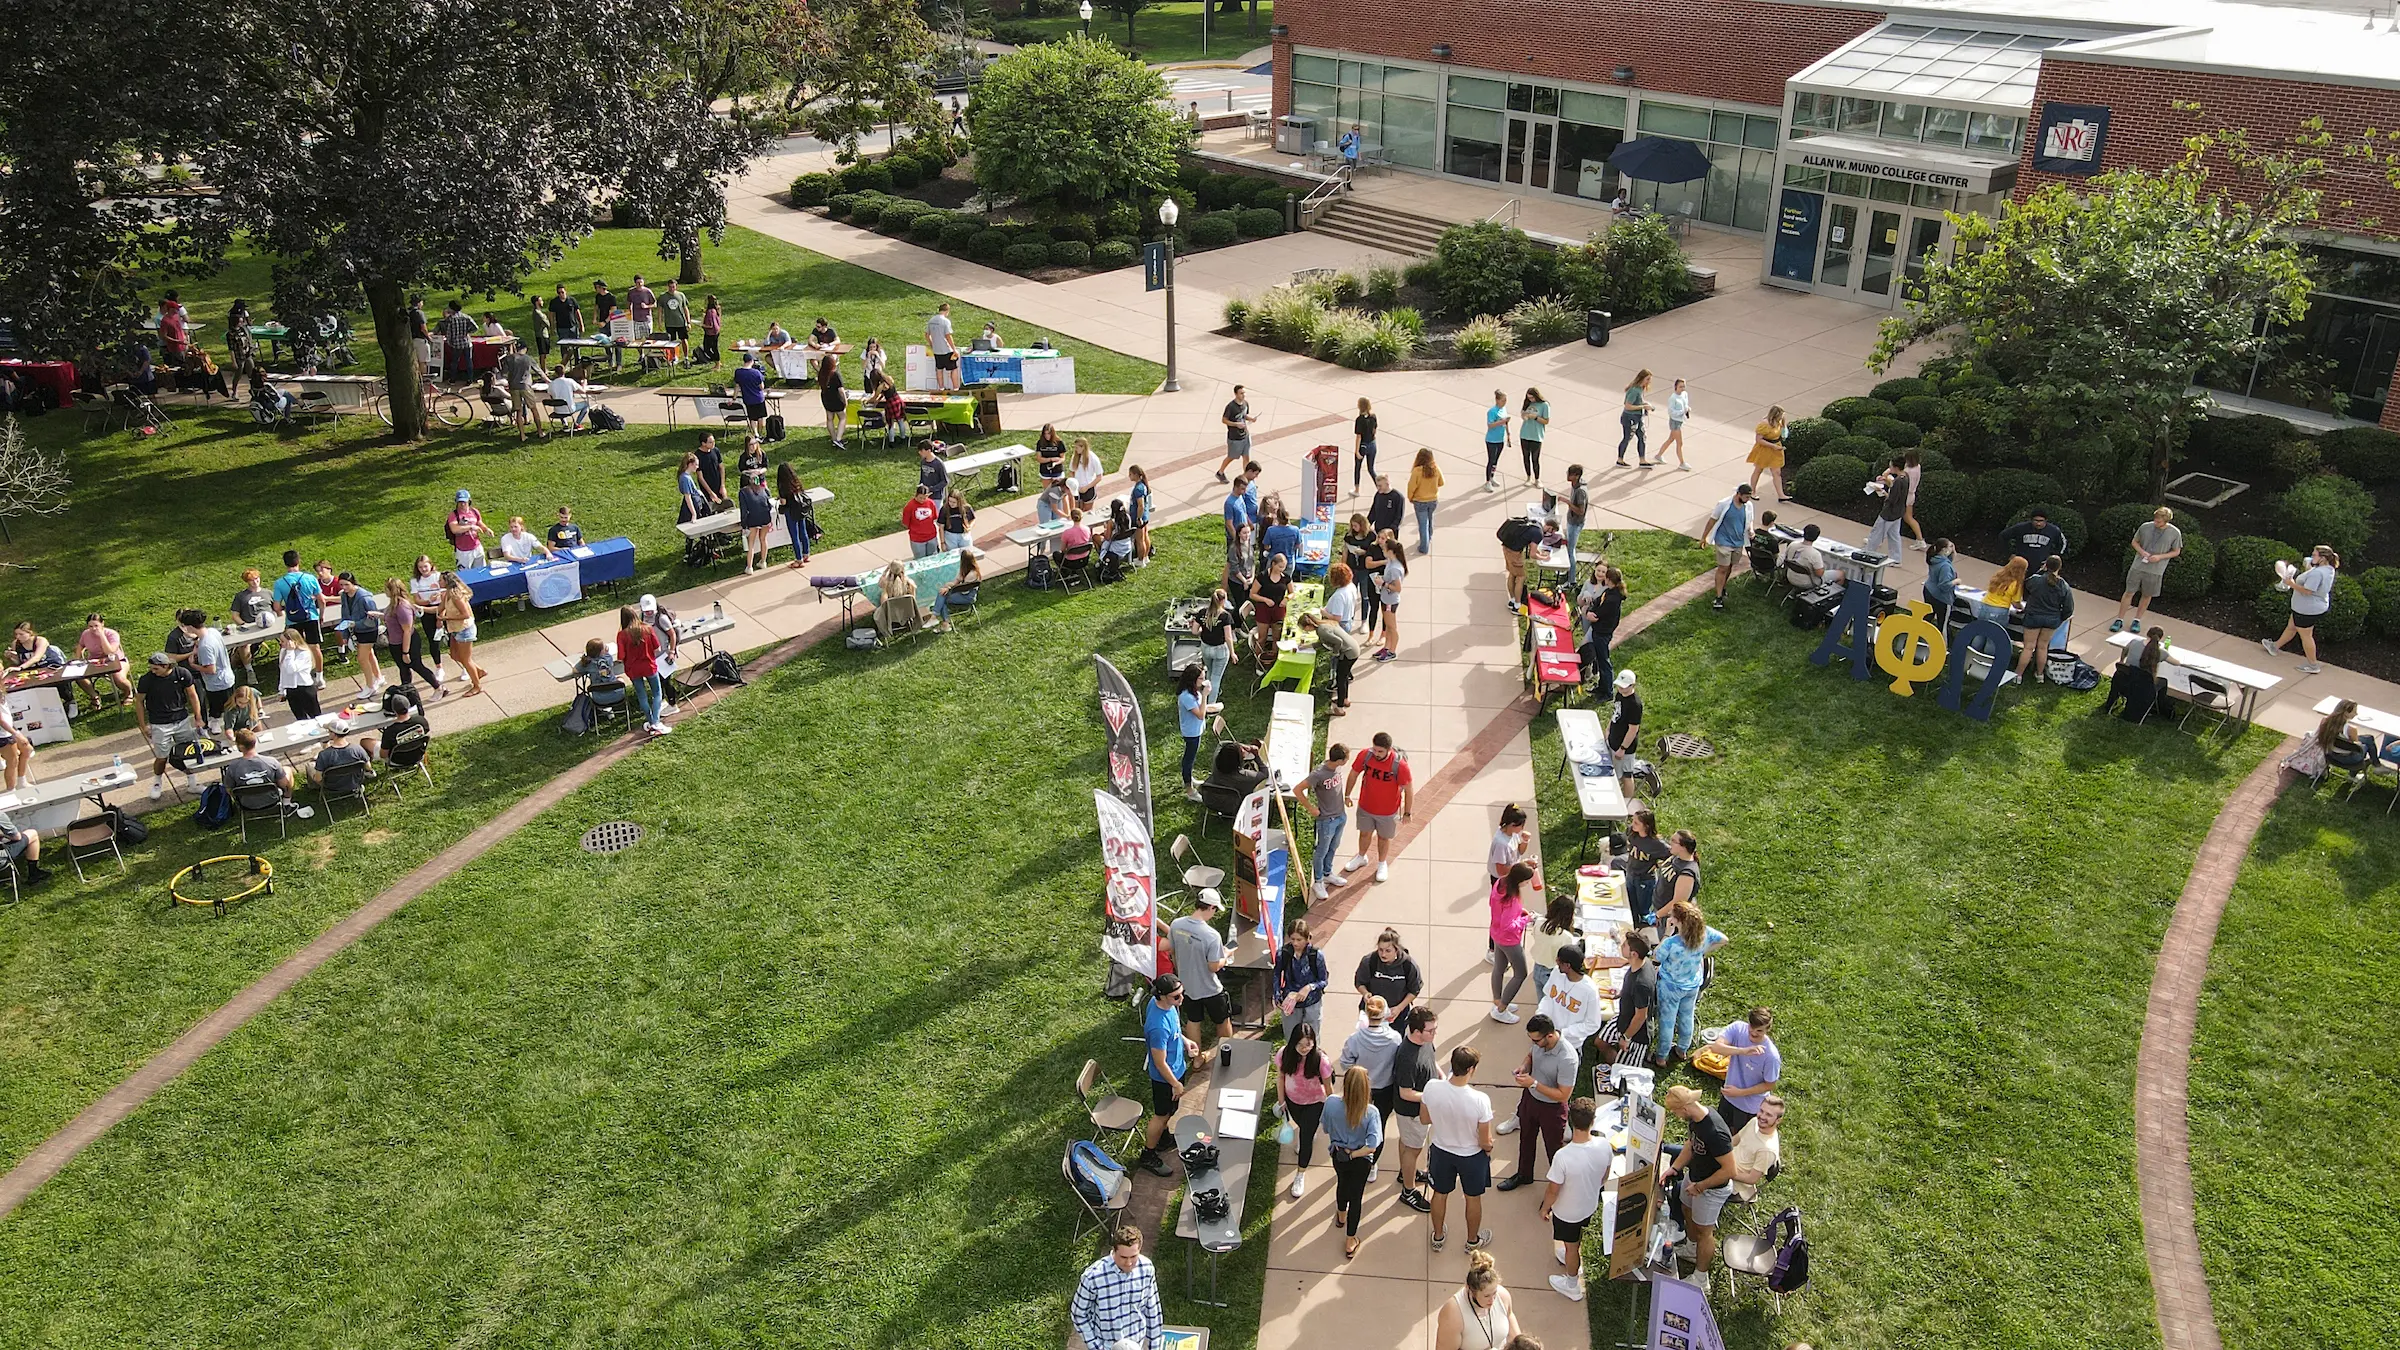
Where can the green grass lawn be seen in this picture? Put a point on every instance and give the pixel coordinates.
(755, 277)
(1955, 924)
(166, 522)
(2290, 1080)
(1170, 32)
(797, 1069)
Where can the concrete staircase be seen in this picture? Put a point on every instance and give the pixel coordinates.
(1364, 220)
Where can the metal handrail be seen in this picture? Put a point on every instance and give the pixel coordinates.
(1322, 196)
(1508, 208)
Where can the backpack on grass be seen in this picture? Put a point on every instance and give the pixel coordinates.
(607, 419)
(216, 808)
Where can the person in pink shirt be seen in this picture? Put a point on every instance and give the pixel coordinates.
(99, 642)
(1303, 1076)
(1509, 921)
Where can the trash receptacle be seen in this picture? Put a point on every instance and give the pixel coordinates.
(1294, 134)
(1595, 327)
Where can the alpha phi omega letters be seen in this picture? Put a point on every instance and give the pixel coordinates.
(1911, 648)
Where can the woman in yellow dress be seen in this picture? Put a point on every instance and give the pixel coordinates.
(1766, 453)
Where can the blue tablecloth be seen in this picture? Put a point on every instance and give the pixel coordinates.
(929, 574)
(1316, 548)
(1004, 367)
(609, 560)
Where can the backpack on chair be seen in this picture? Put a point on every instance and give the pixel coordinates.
(1790, 1271)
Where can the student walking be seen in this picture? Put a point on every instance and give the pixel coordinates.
(1679, 411)
(1766, 452)
(1495, 439)
(1632, 421)
(1362, 450)
(1303, 1079)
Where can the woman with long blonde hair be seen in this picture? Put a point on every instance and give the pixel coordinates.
(458, 618)
(1424, 493)
(1766, 451)
(1354, 1135)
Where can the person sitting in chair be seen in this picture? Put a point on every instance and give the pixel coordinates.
(338, 755)
(1238, 770)
(1804, 563)
(22, 850)
(897, 607)
(1765, 547)
(254, 770)
(958, 594)
(2136, 682)
(408, 731)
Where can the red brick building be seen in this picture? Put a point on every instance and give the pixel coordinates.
(1844, 133)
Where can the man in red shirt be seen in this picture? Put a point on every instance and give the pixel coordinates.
(1386, 799)
(922, 517)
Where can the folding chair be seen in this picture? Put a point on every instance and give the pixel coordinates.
(347, 783)
(1075, 565)
(89, 838)
(1110, 1113)
(1195, 874)
(262, 802)
(2207, 695)
(1105, 1214)
(8, 868)
(561, 414)
(406, 760)
(732, 413)
(898, 618)
(1753, 1254)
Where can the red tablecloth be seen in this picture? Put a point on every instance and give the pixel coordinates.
(488, 351)
(1554, 658)
(56, 376)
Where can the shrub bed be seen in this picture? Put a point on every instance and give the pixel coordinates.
(1833, 481)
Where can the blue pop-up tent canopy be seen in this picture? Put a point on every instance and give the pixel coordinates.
(1659, 159)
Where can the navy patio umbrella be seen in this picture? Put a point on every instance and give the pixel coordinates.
(1659, 159)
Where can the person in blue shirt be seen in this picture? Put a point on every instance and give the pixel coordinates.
(1169, 1052)
(1354, 1132)
(1191, 718)
(1941, 578)
(1282, 536)
(1681, 961)
(1729, 533)
(751, 383)
(1495, 439)
(300, 600)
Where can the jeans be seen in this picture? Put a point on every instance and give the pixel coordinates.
(1329, 847)
(1425, 525)
(1675, 1009)
(1998, 614)
(1213, 660)
(1191, 756)
(649, 694)
(1634, 434)
(1491, 459)
(1574, 529)
(924, 548)
(1508, 973)
(799, 533)
(1305, 1116)
(1541, 979)
(950, 602)
(1641, 896)
(956, 541)
(1362, 458)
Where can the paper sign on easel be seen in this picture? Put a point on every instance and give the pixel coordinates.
(918, 372)
(620, 330)
(1055, 375)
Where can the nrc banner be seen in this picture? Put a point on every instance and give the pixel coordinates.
(1128, 747)
(1129, 927)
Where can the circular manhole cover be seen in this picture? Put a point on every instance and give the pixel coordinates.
(1680, 746)
(616, 836)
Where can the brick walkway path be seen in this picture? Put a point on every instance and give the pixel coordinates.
(2178, 1280)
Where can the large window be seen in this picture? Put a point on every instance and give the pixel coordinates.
(1740, 186)
(1392, 105)
(1590, 128)
(2341, 354)
(1814, 113)
(1477, 127)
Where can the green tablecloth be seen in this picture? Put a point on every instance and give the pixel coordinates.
(1298, 663)
(930, 575)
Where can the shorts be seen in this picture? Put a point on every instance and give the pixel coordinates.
(1414, 1132)
(756, 412)
(1370, 823)
(2304, 622)
(945, 360)
(13, 849)
(1728, 555)
(1563, 1231)
(1472, 1173)
(311, 628)
(2145, 579)
(1215, 1007)
(463, 633)
(164, 737)
(470, 558)
(1162, 1098)
(1703, 1207)
(1237, 445)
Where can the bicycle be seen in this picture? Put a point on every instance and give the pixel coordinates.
(450, 405)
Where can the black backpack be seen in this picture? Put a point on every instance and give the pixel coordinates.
(1040, 572)
(607, 419)
(1007, 479)
(1791, 1252)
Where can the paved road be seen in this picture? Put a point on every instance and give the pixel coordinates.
(1214, 87)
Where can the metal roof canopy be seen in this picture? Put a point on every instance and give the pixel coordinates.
(1902, 61)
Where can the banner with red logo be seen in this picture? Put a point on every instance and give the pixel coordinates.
(1128, 746)
(1129, 928)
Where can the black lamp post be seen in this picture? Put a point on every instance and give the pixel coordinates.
(1167, 212)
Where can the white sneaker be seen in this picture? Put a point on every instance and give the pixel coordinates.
(1490, 486)
(1508, 1126)
(660, 729)
(1373, 1175)
(1383, 871)
(2268, 647)
(1355, 863)
(1505, 1015)
(1567, 1287)
(1299, 1184)
(158, 788)
(1321, 892)
(667, 708)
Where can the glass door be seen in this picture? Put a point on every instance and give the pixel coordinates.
(1883, 245)
(1924, 245)
(1532, 144)
(1841, 243)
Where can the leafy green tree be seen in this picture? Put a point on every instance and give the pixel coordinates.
(854, 65)
(1125, 9)
(2097, 304)
(1076, 122)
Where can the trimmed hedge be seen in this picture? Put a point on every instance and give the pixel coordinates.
(838, 205)
(927, 228)
(988, 245)
(812, 189)
(1892, 431)
(1075, 227)
(906, 172)
(1907, 386)
(1807, 438)
(2246, 562)
(1070, 253)
(959, 232)
(1848, 411)
(2381, 585)
(2069, 521)
(1121, 219)
(2191, 574)
(1259, 223)
(868, 210)
(867, 176)
(1932, 461)
(2326, 509)
(1865, 449)
(2245, 444)
(2001, 493)
(1024, 257)
(2345, 621)
(1215, 230)
(1927, 411)
(1831, 482)
(1115, 253)
(899, 214)
(2362, 454)
(1945, 503)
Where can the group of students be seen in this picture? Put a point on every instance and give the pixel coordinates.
(635, 666)
(700, 493)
